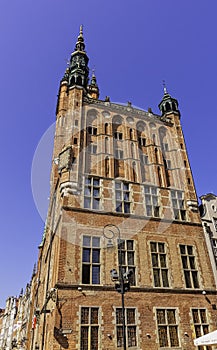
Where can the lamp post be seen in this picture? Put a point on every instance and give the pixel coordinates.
(121, 278)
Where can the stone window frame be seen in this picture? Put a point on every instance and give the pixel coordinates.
(88, 327)
(123, 197)
(92, 193)
(167, 327)
(151, 201)
(91, 260)
(130, 327)
(189, 266)
(160, 269)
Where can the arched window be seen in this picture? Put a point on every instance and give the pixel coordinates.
(106, 128)
(168, 107)
(132, 149)
(156, 154)
(159, 176)
(131, 134)
(106, 145)
(134, 172)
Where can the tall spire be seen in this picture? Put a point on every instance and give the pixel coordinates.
(77, 72)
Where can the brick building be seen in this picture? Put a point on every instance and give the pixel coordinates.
(122, 193)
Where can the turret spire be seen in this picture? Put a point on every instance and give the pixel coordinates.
(93, 89)
(168, 104)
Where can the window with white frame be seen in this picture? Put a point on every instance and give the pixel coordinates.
(91, 260)
(159, 264)
(152, 201)
(177, 198)
(126, 255)
(89, 328)
(92, 193)
(201, 325)
(167, 325)
(122, 197)
(131, 327)
(189, 266)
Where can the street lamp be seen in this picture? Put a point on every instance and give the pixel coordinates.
(121, 278)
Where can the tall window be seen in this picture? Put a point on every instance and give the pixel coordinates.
(126, 254)
(89, 328)
(167, 328)
(189, 266)
(130, 321)
(178, 205)
(122, 197)
(151, 201)
(201, 325)
(92, 193)
(159, 264)
(91, 260)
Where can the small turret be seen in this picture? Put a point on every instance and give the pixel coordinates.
(92, 88)
(168, 104)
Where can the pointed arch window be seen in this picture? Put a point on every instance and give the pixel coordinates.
(107, 166)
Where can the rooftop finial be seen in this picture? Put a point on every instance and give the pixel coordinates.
(81, 30)
(165, 88)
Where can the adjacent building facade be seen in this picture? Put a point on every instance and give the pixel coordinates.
(122, 198)
(208, 209)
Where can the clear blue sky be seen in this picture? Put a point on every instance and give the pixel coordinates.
(133, 45)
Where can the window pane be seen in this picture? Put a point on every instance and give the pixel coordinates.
(94, 338)
(192, 262)
(156, 278)
(120, 341)
(131, 333)
(195, 279)
(162, 260)
(184, 262)
(161, 316)
(154, 258)
(94, 315)
(84, 338)
(84, 315)
(130, 316)
(127, 207)
(195, 316)
(96, 182)
(182, 249)
(165, 278)
(203, 316)
(173, 336)
(187, 279)
(171, 318)
(118, 316)
(86, 274)
(87, 191)
(87, 202)
(130, 258)
(162, 331)
(96, 256)
(95, 274)
(161, 247)
(96, 242)
(129, 245)
(153, 247)
(95, 203)
(86, 255)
